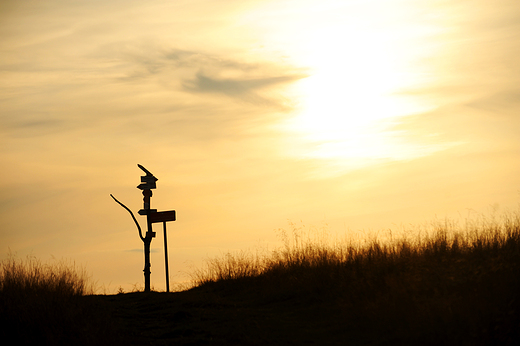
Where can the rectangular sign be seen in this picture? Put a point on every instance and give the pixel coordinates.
(146, 211)
(148, 179)
(162, 216)
(147, 186)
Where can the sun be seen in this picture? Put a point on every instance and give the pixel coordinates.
(352, 97)
(361, 62)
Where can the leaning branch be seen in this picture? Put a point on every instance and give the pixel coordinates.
(133, 217)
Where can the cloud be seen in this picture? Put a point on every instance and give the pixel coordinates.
(36, 124)
(243, 88)
(148, 59)
(499, 103)
(201, 72)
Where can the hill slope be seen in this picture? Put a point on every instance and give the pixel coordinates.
(445, 291)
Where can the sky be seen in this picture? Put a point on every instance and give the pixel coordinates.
(255, 116)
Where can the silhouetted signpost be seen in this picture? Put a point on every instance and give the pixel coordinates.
(152, 216)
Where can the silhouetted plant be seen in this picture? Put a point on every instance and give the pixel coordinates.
(45, 304)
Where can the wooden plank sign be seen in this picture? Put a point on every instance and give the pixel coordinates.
(148, 179)
(162, 216)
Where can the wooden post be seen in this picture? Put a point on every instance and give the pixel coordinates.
(147, 263)
(147, 239)
(166, 259)
(163, 216)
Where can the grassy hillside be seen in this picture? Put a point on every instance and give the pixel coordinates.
(448, 285)
(452, 286)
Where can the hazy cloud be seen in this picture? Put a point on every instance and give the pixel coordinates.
(39, 124)
(242, 88)
(198, 72)
(506, 101)
(206, 68)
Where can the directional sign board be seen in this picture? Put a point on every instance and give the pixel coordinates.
(149, 179)
(146, 211)
(147, 182)
(162, 216)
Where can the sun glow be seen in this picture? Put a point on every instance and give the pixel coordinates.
(362, 59)
(351, 100)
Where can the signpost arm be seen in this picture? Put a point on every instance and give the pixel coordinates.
(145, 170)
(166, 259)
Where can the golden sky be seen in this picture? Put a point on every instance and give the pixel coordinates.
(358, 115)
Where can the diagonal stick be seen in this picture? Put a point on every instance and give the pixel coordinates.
(133, 217)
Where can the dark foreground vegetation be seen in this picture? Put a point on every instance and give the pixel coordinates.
(44, 304)
(448, 286)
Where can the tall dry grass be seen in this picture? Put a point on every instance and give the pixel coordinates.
(31, 276)
(304, 249)
(44, 304)
(444, 284)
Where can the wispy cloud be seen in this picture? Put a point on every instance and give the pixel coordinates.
(242, 88)
(499, 103)
(199, 72)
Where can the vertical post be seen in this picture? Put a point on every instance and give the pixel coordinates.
(166, 259)
(147, 264)
(147, 240)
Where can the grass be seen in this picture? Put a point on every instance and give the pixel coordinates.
(447, 285)
(444, 284)
(42, 304)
